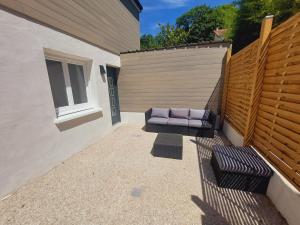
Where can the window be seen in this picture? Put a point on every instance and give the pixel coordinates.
(68, 86)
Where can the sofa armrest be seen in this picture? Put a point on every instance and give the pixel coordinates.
(148, 115)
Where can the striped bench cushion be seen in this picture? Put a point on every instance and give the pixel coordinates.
(243, 160)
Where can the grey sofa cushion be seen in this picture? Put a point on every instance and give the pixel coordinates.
(195, 123)
(199, 124)
(160, 112)
(158, 120)
(199, 114)
(180, 113)
(178, 122)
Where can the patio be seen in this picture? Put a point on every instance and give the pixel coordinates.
(118, 181)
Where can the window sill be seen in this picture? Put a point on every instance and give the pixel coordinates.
(76, 115)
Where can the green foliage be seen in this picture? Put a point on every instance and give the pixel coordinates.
(242, 19)
(284, 9)
(251, 14)
(199, 23)
(228, 15)
(148, 41)
(196, 25)
(170, 35)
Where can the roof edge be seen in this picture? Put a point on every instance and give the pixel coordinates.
(138, 4)
(228, 43)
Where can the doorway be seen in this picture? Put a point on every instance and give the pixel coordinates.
(112, 80)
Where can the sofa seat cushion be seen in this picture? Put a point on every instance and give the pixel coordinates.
(160, 112)
(178, 122)
(157, 120)
(182, 113)
(199, 124)
(199, 114)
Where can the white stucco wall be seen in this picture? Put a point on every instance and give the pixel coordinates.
(133, 117)
(284, 196)
(233, 136)
(30, 142)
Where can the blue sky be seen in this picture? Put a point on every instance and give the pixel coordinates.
(166, 11)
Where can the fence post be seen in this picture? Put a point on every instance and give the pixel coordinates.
(265, 31)
(225, 85)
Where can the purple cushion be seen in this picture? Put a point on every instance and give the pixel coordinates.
(195, 123)
(199, 124)
(199, 114)
(178, 121)
(180, 113)
(160, 112)
(158, 120)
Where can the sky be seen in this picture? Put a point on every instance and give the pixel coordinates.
(166, 11)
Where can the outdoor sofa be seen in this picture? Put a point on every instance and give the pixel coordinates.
(191, 122)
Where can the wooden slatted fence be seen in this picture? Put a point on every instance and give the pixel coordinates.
(240, 84)
(277, 128)
(275, 119)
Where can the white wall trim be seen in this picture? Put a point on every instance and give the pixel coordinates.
(283, 194)
(233, 136)
(76, 115)
(133, 117)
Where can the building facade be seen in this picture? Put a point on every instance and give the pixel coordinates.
(58, 62)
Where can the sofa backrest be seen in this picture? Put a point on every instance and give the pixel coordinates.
(182, 113)
(199, 114)
(160, 112)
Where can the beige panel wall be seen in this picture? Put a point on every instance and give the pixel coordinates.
(187, 77)
(106, 23)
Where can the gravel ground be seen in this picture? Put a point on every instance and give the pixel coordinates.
(118, 181)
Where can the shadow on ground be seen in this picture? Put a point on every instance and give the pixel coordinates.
(226, 206)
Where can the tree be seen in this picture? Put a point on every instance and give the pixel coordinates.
(251, 14)
(242, 19)
(148, 41)
(170, 35)
(228, 15)
(199, 23)
(284, 9)
(196, 25)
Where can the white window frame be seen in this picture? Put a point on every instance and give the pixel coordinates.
(71, 108)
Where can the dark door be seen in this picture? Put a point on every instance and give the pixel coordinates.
(112, 80)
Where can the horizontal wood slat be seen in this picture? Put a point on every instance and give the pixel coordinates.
(185, 77)
(107, 24)
(240, 84)
(277, 129)
(276, 125)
